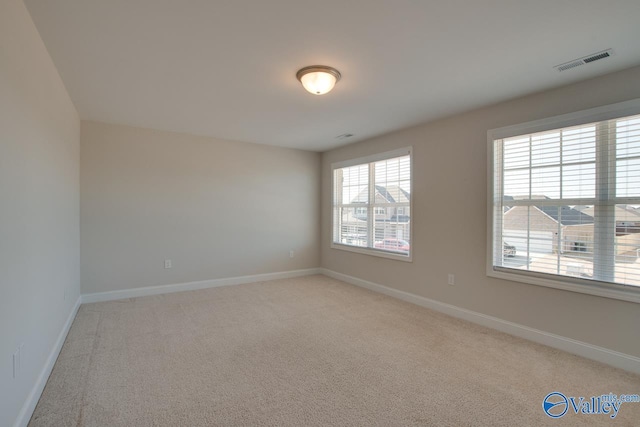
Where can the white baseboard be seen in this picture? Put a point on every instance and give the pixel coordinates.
(589, 351)
(192, 286)
(32, 399)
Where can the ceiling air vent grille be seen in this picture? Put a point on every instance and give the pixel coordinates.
(596, 57)
(569, 65)
(584, 60)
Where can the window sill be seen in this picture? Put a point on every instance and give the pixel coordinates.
(590, 287)
(373, 252)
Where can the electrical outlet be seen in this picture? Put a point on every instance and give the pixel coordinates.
(167, 263)
(452, 279)
(290, 254)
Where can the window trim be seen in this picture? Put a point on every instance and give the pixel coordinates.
(584, 286)
(366, 160)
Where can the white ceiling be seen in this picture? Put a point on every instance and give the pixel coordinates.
(226, 68)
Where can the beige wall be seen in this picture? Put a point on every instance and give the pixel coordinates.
(216, 208)
(39, 206)
(450, 221)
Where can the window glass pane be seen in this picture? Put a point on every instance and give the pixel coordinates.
(545, 149)
(392, 231)
(628, 155)
(627, 244)
(516, 152)
(354, 184)
(579, 144)
(392, 180)
(628, 137)
(548, 239)
(356, 194)
(628, 178)
(516, 183)
(579, 181)
(353, 227)
(545, 182)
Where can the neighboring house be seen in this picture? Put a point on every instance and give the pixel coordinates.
(627, 229)
(546, 226)
(573, 228)
(627, 219)
(385, 195)
(392, 221)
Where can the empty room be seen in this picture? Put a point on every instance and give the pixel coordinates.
(303, 213)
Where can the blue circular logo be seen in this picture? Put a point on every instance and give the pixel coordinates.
(555, 404)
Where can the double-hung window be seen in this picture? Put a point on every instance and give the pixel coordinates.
(564, 202)
(372, 205)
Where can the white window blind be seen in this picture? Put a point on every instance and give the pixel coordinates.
(566, 203)
(372, 204)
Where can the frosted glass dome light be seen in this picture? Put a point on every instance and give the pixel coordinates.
(318, 79)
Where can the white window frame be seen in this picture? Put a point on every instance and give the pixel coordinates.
(591, 287)
(366, 160)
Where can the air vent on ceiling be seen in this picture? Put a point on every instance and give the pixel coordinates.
(584, 60)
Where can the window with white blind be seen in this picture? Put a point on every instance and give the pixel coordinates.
(372, 205)
(565, 202)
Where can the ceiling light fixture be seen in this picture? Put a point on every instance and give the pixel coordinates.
(318, 79)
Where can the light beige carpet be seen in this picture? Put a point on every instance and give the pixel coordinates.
(307, 351)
